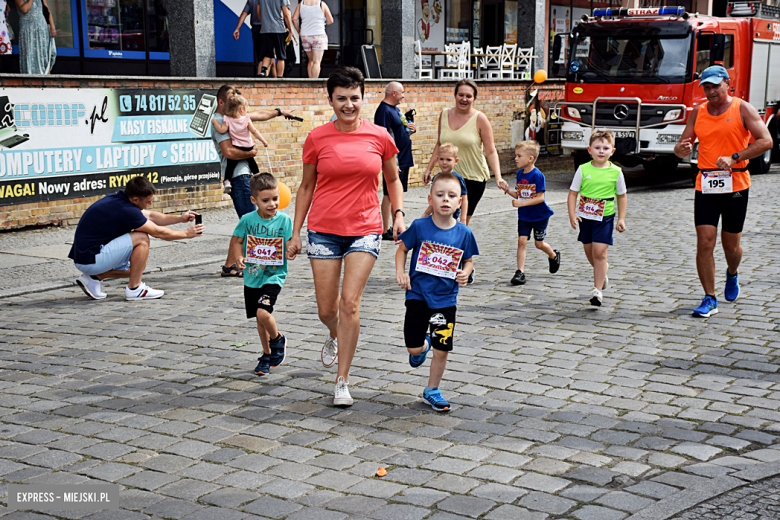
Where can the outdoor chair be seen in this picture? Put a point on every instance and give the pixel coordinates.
(418, 62)
(524, 59)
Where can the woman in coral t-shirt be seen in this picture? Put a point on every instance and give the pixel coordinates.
(343, 160)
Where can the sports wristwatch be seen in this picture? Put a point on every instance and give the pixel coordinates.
(735, 156)
(401, 211)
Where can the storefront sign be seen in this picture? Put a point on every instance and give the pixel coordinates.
(65, 143)
(429, 27)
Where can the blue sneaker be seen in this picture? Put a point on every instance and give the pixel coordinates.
(708, 307)
(731, 292)
(419, 359)
(263, 365)
(278, 350)
(437, 402)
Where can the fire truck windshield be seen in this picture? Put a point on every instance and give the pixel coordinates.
(602, 56)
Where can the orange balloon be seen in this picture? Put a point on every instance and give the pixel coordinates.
(540, 76)
(285, 195)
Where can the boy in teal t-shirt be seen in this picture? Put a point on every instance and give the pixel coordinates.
(259, 243)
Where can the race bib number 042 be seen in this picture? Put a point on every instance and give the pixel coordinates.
(591, 209)
(526, 191)
(719, 181)
(438, 260)
(264, 251)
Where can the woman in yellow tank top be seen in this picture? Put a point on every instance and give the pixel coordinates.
(469, 130)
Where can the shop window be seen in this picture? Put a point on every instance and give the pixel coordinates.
(65, 17)
(458, 18)
(115, 25)
(157, 20)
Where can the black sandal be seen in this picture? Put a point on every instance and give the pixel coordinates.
(232, 271)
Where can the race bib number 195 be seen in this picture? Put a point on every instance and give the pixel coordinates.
(438, 260)
(264, 251)
(719, 181)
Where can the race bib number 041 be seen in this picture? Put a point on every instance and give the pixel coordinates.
(438, 260)
(591, 209)
(719, 181)
(526, 191)
(264, 251)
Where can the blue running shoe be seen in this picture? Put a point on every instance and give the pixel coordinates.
(437, 402)
(731, 292)
(263, 365)
(419, 359)
(708, 307)
(278, 350)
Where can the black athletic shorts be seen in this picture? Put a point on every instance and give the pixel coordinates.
(260, 298)
(403, 175)
(707, 209)
(476, 189)
(420, 318)
(270, 42)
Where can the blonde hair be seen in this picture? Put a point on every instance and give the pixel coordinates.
(234, 104)
(602, 134)
(449, 148)
(530, 147)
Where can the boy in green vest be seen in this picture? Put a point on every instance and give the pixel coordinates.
(592, 203)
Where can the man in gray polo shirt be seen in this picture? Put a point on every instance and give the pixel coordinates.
(275, 14)
(240, 191)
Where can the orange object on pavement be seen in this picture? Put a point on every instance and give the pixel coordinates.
(381, 472)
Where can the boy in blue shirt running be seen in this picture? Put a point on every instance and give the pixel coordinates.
(259, 240)
(441, 261)
(533, 213)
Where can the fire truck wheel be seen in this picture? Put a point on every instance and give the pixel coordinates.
(760, 164)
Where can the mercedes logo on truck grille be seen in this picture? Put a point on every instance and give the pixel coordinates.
(620, 112)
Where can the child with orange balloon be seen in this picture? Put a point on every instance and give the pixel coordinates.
(259, 244)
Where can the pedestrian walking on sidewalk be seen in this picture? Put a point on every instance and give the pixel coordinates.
(112, 239)
(341, 160)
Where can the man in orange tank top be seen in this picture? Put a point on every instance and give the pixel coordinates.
(723, 125)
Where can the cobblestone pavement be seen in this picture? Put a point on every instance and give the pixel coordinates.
(633, 410)
(757, 502)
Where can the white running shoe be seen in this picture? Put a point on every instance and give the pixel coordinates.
(142, 292)
(330, 351)
(341, 395)
(91, 287)
(595, 297)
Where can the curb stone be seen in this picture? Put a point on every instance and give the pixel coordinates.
(696, 494)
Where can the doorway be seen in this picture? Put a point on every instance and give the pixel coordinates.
(493, 23)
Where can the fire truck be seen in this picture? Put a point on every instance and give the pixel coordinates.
(636, 72)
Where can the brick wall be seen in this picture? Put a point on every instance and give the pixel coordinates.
(501, 101)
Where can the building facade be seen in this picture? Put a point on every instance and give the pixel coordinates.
(131, 37)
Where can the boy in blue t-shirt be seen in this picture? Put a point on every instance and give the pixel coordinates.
(533, 213)
(448, 158)
(440, 245)
(259, 240)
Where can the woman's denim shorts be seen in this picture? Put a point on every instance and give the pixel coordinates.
(327, 246)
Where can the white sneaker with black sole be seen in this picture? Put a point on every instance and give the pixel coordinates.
(341, 395)
(91, 287)
(596, 297)
(142, 292)
(330, 351)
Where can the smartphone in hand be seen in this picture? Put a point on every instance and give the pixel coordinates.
(198, 220)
